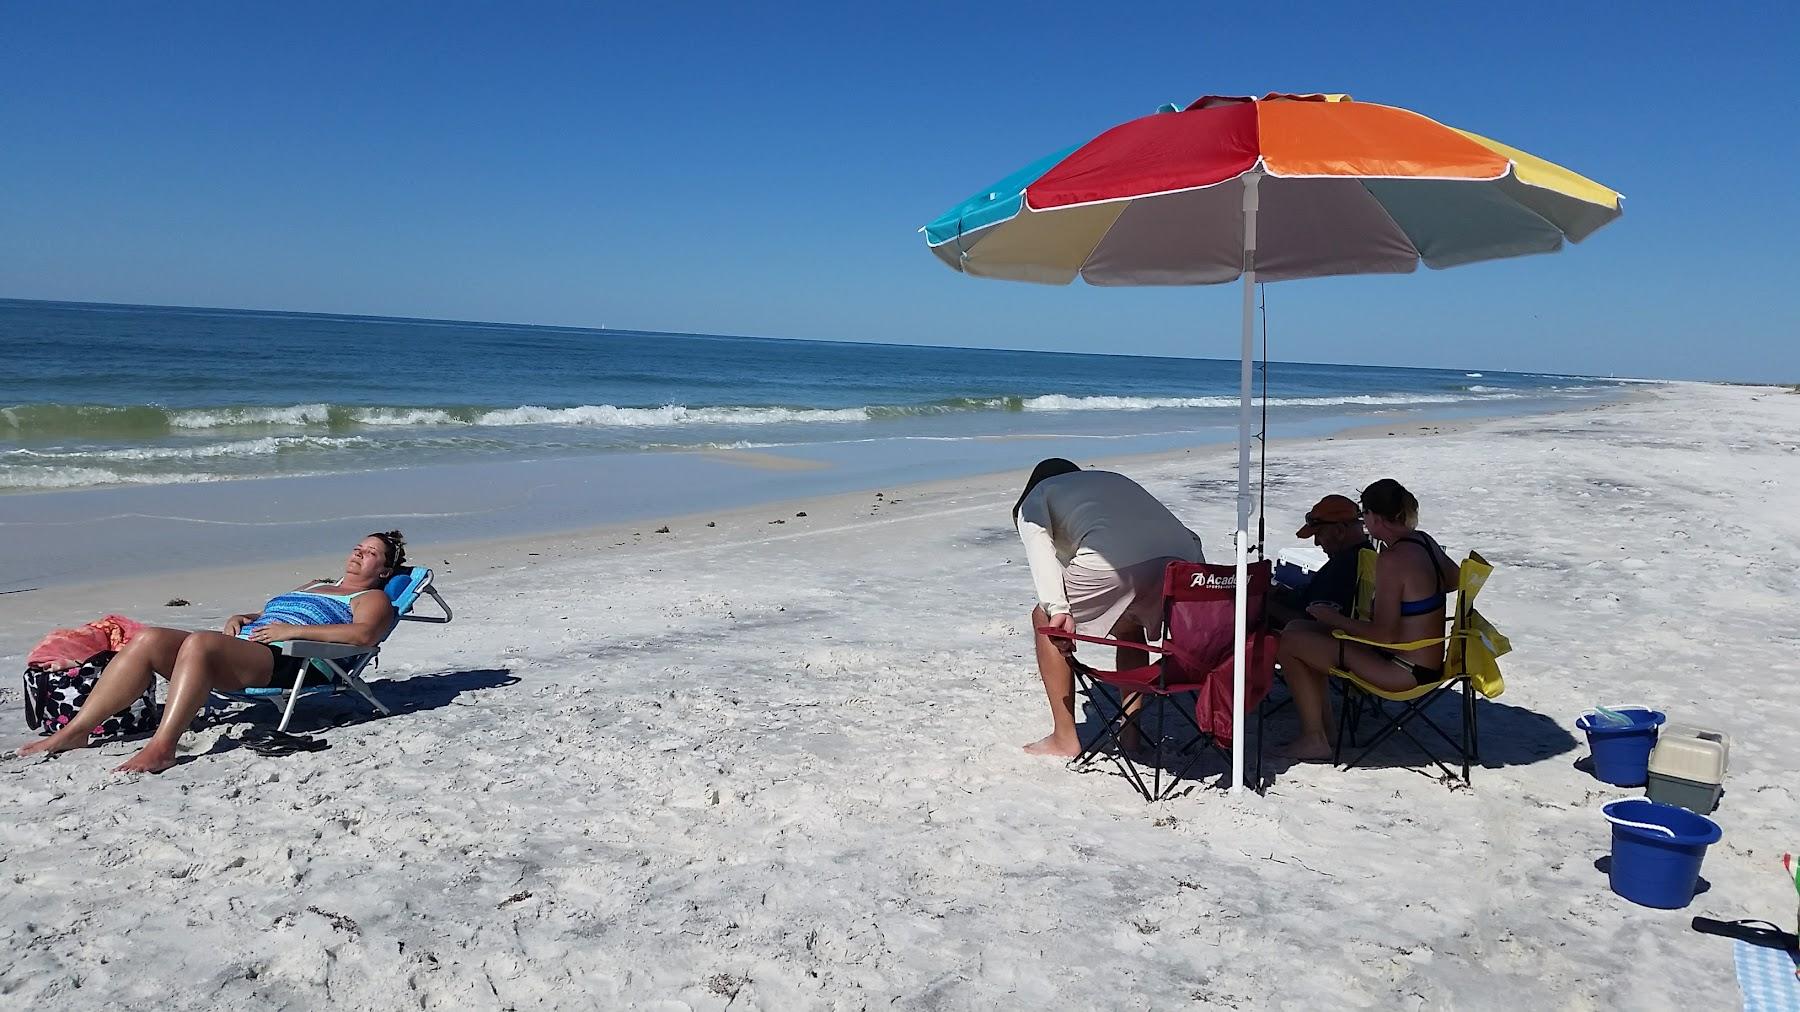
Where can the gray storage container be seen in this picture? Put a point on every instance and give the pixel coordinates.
(1687, 767)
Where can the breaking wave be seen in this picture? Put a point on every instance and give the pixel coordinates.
(31, 478)
(53, 421)
(238, 448)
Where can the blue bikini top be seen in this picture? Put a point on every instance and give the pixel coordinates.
(1426, 605)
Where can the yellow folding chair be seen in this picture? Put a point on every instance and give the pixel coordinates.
(1471, 652)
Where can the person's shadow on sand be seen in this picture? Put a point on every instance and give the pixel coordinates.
(345, 709)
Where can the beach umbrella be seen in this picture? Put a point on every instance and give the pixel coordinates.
(1269, 189)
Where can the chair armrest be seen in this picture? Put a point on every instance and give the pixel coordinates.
(1057, 634)
(443, 606)
(1409, 645)
(322, 651)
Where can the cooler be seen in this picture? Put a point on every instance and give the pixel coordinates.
(1687, 767)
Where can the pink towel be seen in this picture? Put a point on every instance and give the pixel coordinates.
(67, 648)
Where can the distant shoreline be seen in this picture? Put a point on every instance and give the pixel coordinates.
(146, 531)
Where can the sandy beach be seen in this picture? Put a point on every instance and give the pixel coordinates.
(774, 763)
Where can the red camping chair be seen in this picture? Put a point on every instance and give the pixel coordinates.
(1199, 613)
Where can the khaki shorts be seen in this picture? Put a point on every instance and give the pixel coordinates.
(1099, 598)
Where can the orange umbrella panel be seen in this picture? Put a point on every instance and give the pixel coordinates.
(1346, 188)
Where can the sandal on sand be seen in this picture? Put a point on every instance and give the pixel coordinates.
(280, 743)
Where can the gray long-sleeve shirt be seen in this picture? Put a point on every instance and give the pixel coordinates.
(1095, 520)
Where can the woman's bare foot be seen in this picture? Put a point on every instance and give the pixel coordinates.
(1053, 746)
(152, 758)
(1306, 749)
(58, 742)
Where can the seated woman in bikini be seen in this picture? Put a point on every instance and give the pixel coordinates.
(350, 609)
(1412, 577)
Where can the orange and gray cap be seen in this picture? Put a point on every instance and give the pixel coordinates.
(1333, 509)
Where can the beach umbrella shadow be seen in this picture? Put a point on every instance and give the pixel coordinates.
(1200, 766)
(1510, 736)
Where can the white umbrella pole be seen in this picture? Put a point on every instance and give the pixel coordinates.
(1242, 546)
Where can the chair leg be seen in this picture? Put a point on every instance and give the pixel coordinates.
(1111, 729)
(1161, 711)
(353, 678)
(1398, 723)
(350, 678)
(1262, 711)
(1337, 750)
(293, 697)
(1127, 718)
(1084, 686)
(1096, 694)
(1468, 723)
(1455, 746)
(1474, 725)
(1198, 748)
(1417, 709)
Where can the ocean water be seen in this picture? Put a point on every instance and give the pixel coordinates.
(103, 395)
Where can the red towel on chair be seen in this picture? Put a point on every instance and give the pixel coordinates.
(68, 648)
(1213, 710)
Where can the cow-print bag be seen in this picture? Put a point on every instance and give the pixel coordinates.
(52, 698)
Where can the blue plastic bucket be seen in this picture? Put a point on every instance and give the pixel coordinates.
(1657, 850)
(1622, 751)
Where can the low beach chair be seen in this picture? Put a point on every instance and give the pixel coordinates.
(1195, 656)
(1472, 648)
(338, 667)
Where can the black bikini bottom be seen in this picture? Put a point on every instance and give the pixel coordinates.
(1421, 674)
(287, 669)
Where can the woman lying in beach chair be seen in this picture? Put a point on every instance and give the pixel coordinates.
(351, 610)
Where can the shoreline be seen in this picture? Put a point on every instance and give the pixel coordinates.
(150, 531)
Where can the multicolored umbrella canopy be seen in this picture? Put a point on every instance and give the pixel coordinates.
(1286, 186)
(1346, 188)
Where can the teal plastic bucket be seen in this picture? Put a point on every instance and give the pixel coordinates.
(1657, 850)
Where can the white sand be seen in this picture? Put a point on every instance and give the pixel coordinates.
(777, 766)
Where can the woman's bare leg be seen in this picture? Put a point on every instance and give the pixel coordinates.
(1059, 687)
(1307, 655)
(207, 661)
(150, 653)
(1306, 652)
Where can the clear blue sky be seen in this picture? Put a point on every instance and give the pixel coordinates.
(744, 169)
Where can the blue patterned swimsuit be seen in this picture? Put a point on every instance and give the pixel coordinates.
(300, 607)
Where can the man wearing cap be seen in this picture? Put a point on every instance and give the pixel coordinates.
(1335, 525)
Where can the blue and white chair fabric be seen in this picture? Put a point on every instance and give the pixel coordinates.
(337, 667)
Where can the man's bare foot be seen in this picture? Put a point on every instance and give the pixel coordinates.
(1053, 746)
(1306, 749)
(152, 758)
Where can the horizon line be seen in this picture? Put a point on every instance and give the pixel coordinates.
(447, 321)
